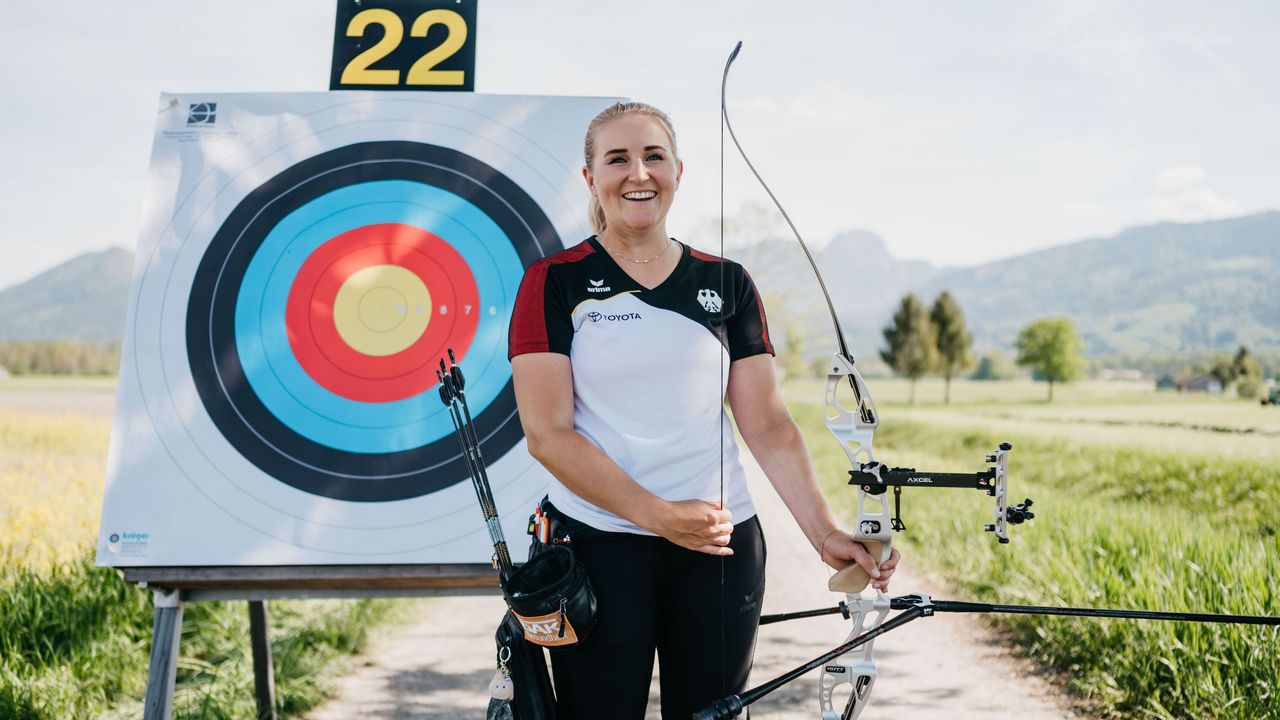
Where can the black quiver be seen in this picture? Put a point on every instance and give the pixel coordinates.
(534, 698)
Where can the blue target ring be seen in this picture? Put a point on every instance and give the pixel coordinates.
(314, 411)
(250, 382)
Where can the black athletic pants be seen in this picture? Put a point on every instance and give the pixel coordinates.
(655, 595)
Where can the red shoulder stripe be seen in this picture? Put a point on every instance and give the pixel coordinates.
(764, 324)
(698, 254)
(528, 331)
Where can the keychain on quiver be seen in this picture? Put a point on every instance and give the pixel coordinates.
(501, 689)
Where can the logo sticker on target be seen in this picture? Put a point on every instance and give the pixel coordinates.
(292, 297)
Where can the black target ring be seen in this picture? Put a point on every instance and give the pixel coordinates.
(215, 361)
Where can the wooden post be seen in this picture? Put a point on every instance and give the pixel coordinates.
(166, 634)
(264, 679)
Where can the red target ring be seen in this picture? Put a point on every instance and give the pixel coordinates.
(315, 317)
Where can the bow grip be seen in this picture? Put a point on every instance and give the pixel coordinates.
(853, 579)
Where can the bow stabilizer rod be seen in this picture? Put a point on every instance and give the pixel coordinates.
(903, 602)
(917, 606)
(729, 707)
(959, 606)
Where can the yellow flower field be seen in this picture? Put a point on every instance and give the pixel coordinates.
(51, 477)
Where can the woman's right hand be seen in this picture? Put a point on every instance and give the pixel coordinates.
(695, 524)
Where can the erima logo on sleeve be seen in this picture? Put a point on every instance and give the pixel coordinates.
(709, 300)
(595, 286)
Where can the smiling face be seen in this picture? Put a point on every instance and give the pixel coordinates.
(634, 174)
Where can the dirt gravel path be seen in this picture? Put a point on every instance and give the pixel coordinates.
(948, 667)
(94, 402)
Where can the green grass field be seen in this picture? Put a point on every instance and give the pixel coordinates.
(1143, 501)
(74, 639)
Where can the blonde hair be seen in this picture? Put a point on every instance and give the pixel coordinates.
(594, 212)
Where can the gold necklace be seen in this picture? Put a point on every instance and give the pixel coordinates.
(612, 252)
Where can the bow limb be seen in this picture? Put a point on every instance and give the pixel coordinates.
(852, 422)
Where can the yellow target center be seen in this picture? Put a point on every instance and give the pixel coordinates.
(382, 310)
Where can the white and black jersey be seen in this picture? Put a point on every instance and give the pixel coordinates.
(650, 368)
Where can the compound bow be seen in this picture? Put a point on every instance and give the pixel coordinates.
(854, 425)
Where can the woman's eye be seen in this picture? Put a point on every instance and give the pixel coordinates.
(656, 157)
(617, 159)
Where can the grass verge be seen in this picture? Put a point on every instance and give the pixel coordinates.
(1116, 527)
(75, 640)
(74, 643)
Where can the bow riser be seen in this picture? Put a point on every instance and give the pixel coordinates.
(858, 674)
(854, 428)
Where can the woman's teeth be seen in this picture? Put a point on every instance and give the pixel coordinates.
(641, 195)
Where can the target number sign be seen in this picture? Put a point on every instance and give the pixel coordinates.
(404, 45)
(308, 260)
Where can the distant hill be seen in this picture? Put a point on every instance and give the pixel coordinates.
(864, 280)
(1169, 287)
(84, 298)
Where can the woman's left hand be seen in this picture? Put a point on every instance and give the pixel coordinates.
(839, 551)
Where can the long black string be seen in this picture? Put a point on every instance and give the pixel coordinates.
(723, 333)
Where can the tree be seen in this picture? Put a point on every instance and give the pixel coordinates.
(912, 342)
(995, 366)
(793, 362)
(1248, 372)
(1051, 346)
(953, 339)
(1223, 369)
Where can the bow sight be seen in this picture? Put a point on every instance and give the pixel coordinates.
(873, 478)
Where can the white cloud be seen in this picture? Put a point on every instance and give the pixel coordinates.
(1193, 206)
(1087, 210)
(1177, 177)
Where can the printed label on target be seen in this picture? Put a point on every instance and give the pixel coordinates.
(307, 259)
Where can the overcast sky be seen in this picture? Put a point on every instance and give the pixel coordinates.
(959, 132)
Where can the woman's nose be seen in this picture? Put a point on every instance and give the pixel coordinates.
(638, 171)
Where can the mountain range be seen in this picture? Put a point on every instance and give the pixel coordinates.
(84, 298)
(1168, 287)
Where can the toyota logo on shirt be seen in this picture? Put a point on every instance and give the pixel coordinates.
(594, 316)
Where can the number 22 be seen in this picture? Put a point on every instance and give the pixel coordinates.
(422, 72)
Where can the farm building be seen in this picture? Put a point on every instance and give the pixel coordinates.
(1166, 382)
(1201, 383)
(1113, 374)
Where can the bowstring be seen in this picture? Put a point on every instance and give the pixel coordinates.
(721, 387)
(724, 118)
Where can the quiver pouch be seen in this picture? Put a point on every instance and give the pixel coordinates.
(552, 598)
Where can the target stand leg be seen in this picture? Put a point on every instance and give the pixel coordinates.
(264, 679)
(166, 633)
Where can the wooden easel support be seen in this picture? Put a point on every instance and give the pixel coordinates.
(172, 587)
(264, 677)
(166, 634)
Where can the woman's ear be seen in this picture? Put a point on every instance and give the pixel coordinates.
(591, 181)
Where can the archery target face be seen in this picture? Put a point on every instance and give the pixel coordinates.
(319, 256)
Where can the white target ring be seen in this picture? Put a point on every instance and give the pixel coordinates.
(289, 312)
